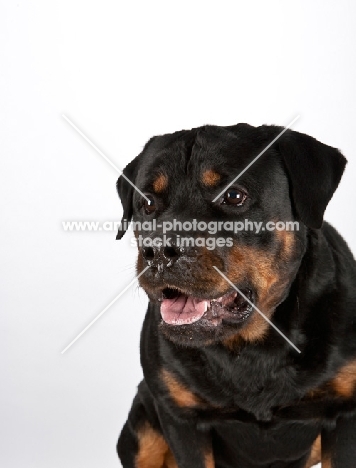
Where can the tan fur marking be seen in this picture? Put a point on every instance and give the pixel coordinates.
(287, 240)
(268, 272)
(181, 395)
(345, 381)
(326, 463)
(160, 184)
(210, 178)
(169, 461)
(261, 269)
(256, 330)
(209, 460)
(315, 454)
(153, 450)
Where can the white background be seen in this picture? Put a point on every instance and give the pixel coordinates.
(124, 72)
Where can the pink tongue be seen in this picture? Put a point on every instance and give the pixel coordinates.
(182, 310)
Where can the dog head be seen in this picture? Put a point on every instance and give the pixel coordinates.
(207, 282)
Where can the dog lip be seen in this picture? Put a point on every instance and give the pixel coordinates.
(157, 295)
(217, 297)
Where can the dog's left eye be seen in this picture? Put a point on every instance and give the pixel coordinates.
(233, 197)
(149, 205)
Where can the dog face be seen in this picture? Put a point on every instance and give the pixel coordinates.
(181, 174)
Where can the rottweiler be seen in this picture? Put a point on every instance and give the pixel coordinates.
(223, 387)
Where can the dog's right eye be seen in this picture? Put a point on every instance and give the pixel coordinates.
(149, 204)
(234, 197)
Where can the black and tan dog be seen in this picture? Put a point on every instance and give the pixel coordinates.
(221, 387)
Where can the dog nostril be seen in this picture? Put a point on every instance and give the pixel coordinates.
(148, 253)
(170, 252)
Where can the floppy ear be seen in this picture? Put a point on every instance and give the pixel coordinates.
(314, 170)
(126, 190)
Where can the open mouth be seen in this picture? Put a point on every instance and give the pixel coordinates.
(180, 309)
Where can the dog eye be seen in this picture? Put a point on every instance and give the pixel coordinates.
(234, 197)
(149, 205)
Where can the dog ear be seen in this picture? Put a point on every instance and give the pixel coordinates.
(126, 190)
(314, 170)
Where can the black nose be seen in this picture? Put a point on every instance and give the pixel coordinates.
(160, 256)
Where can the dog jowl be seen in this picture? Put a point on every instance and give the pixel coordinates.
(207, 351)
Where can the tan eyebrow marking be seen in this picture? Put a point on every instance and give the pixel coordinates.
(160, 183)
(210, 178)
